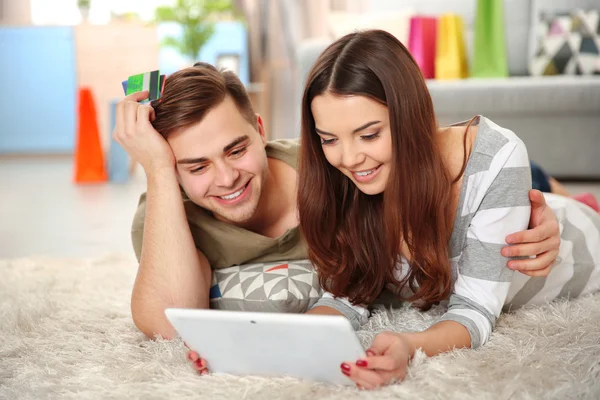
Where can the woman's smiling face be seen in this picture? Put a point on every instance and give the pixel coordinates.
(356, 138)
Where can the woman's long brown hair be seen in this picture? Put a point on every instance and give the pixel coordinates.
(353, 238)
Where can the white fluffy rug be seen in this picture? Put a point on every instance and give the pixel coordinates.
(66, 333)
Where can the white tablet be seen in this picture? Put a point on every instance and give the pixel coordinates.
(303, 346)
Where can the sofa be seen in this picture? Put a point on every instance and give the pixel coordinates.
(558, 117)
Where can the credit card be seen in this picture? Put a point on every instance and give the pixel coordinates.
(151, 81)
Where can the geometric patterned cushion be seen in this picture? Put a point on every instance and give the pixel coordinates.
(567, 44)
(291, 287)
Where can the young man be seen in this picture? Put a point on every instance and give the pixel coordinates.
(220, 195)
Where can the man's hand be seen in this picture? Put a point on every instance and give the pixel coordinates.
(541, 240)
(138, 137)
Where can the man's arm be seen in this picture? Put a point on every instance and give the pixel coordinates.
(172, 272)
(541, 240)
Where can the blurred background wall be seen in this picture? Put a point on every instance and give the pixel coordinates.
(50, 50)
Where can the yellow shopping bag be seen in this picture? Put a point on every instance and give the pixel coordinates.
(451, 55)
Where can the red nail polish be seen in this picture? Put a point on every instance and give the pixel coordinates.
(361, 363)
(346, 373)
(345, 367)
(199, 363)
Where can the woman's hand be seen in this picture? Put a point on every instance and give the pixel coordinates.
(198, 363)
(386, 362)
(541, 240)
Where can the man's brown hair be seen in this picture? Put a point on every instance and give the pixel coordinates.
(192, 92)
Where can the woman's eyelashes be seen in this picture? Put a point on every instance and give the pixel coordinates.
(367, 138)
(371, 136)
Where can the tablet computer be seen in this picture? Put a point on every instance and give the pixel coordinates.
(303, 346)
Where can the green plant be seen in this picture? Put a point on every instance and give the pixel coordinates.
(196, 18)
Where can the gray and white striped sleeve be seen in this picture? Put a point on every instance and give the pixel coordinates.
(357, 315)
(483, 279)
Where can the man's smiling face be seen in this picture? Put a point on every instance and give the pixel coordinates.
(222, 163)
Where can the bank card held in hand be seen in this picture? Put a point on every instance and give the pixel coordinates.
(152, 81)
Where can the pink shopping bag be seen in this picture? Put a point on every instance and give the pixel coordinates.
(421, 43)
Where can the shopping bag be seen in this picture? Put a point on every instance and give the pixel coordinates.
(489, 52)
(451, 54)
(421, 44)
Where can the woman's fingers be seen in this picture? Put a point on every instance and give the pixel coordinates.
(367, 378)
(388, 368)
(364, 379)
(385, 363)
(371, 353)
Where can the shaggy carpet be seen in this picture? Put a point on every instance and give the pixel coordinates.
(66, 332)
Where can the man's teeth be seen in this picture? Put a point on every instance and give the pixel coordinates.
(233, 195)
(365, 173)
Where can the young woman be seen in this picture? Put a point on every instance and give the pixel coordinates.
(388, 199)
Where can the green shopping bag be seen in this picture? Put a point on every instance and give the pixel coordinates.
(489, 53)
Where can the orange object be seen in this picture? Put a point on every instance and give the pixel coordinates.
(89, 158)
